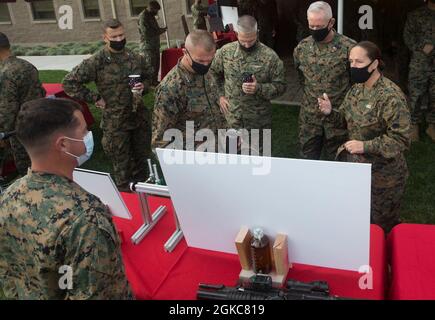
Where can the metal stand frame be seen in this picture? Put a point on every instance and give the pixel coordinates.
(151, 219)
(176, 236)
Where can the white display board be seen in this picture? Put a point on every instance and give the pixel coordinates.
(230, 15)
(101, 185)
(323, 207)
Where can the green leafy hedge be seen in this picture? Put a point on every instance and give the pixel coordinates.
(68, 48)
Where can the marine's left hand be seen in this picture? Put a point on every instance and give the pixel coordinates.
(354, 147)
(139, 87)
(250, 87)
(428, 48)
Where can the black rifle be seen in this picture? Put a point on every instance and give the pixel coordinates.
(260, 287)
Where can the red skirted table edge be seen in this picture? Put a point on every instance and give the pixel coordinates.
(170, 58)
(224, 38)
(156, 274)
(56, 89)
(411, 249)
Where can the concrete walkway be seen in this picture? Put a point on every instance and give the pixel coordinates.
(55, 62)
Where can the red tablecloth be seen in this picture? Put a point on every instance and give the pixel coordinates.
(412, 259)
(147, 264)
(224, 38)
(170, 58)
(56, 89)
(155, 274)
(8, 168)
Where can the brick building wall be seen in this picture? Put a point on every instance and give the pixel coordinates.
(22, 29)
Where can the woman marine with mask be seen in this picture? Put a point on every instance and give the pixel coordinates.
(377, 118)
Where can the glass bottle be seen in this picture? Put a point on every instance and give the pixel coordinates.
(260, 252)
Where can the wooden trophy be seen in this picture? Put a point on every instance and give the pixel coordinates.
(279, 255)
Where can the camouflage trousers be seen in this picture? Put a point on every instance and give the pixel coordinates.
(152, 55)
(316, 135)
(21, 158)
(253, 117)
(386, 204)
(128, 150)
(245, 115)
(422, 86)
(389, 178)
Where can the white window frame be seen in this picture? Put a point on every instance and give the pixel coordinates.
(184, 9)
(129, 13)
(82, 12)
(9, 6)
(34, 21)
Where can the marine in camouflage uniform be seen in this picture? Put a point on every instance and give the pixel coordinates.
(267, 17)
(125, 120)
(150, 32)
(48, 221)
(395, 14)
(185, 96)
(420, 31)
(199, 12)
(323, 68)
(380, 118)
(299, 17)
(19, 83)
(247, 7)
(229, 67)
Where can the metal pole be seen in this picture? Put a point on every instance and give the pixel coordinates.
(340, 16)
(162, 2)
(152, 189)
(176, 236)
(113, 9)
(150, 220)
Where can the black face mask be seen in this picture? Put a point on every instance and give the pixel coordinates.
(199, 68)
(118, 45)
(320, 34)
(250, 49)
(361, 75)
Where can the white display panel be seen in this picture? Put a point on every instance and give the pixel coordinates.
(230, 15)
(323, 207)
(101, 185)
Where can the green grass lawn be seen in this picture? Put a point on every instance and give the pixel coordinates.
(419, 202)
